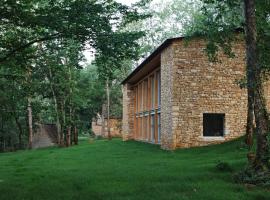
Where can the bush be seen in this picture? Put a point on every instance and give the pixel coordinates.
(99, 137)
(249, 176)
(224, 167)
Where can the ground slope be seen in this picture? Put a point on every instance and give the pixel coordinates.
(124, 170)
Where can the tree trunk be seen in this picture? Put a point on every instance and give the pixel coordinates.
(70, 121)
(20, 131)
(103, 120)
(63, 123)
(261, 117)
(108, 110)
(58, 124)
(75, 136)
(72, 136)
(30, 124)
(255, 84)
(250, 114)
(68, 136)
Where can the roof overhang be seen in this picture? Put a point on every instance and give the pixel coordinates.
(149, 64)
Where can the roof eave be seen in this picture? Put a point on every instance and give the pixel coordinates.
(157, 51)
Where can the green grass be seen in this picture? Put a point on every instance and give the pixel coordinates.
(124, 170)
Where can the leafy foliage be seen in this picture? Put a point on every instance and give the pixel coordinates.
(218, 24)
(41, 45)
(170, 18)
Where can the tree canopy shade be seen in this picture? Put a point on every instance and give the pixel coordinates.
(41, 44)
(24, 23)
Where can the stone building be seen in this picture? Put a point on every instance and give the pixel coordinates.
(100, 126)
(177, 98)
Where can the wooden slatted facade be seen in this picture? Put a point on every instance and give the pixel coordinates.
(147, 108)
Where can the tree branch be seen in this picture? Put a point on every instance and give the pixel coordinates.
(20, 48)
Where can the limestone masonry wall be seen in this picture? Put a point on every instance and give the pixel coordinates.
(128, 112)
(168, 139)
(192, 86)
(203, 87)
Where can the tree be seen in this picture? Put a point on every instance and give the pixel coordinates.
(41, 44)
(167, 19)
(218, 23)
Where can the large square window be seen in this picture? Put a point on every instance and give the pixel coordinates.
(213, 124)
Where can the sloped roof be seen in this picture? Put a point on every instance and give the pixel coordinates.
(156, 52)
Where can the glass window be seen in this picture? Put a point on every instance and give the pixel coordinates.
(153, 128)
(145, 128)
(152, 92)
(159, 88)
(145, 94)
(159, 131)
(137, 104)
(142, 96)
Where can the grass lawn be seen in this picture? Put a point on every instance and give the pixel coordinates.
(124, 170)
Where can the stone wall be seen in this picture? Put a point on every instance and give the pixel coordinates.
(203, 87)
(167, 137)
(45, 136)
(115, 127)
(128, 112)
(192, 86)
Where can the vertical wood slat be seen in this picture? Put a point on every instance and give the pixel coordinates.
(146, 109)
(139, 110)
(149, 108)
(156, 127)
(143, 102)
(135, 112)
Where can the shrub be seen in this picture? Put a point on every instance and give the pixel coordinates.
(249, 176)
(224, 167)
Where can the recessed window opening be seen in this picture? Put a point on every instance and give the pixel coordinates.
(213, 124)
(153, 128)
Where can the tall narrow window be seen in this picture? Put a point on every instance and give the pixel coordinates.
(153, 128)
(136, 110)
(159, 88)
(145, 128)
(152, 92)
(145, 94)
(136, 93)
(139, 98)
(159, 131)
(142, 129)
(139, 127)
(142, 96)
(213, 124)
